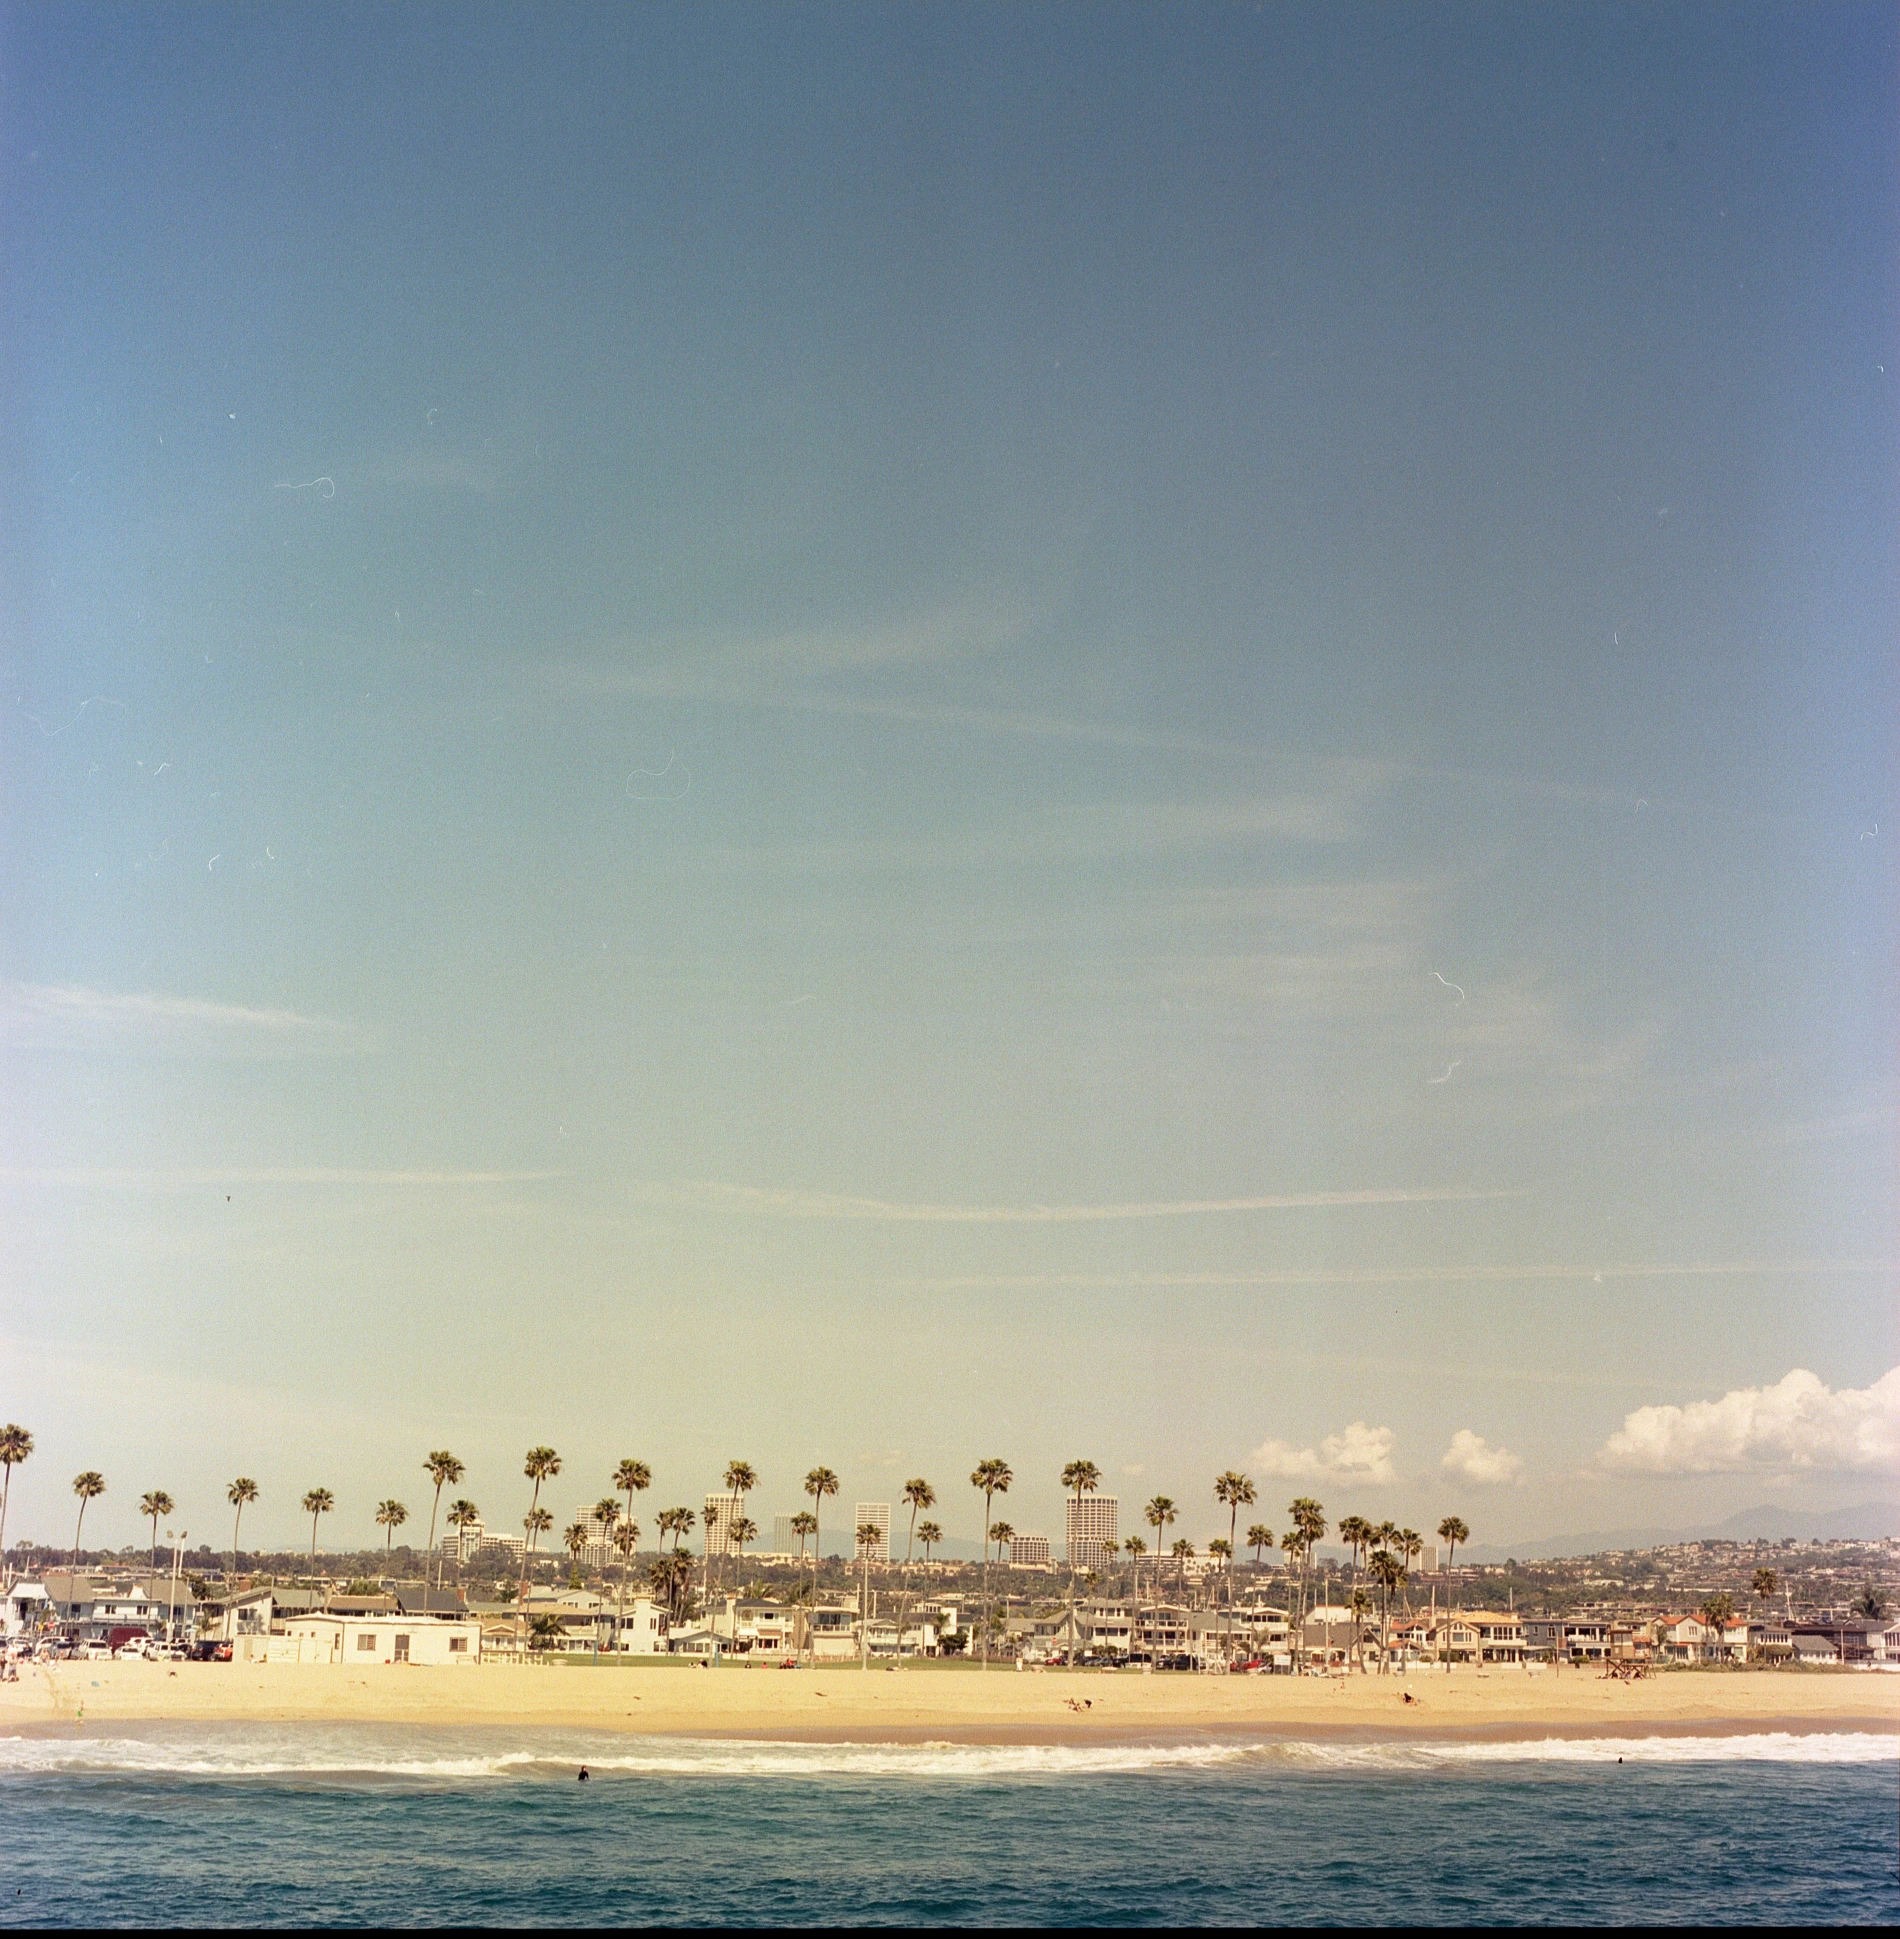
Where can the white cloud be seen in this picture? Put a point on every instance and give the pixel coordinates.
(38, 1016)
(1473, 1458)
(823, 1205)
(1358, 1453)
(1797, 1423)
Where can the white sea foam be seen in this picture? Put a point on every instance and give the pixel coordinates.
(451, 1756)
(1754, 1747)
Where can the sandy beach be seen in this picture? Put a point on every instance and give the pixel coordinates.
(952, 1705)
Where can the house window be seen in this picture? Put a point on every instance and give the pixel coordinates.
(366, 1639)
(458, 1645)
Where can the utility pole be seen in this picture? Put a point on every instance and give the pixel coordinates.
(171, 1608)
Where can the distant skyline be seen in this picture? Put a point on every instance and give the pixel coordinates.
(873, 736)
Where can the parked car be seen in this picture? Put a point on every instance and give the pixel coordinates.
(97, 1653)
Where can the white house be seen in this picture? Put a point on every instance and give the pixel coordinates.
(642, 1628)
(323, 1638)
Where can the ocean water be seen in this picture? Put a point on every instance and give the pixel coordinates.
(348, 1825)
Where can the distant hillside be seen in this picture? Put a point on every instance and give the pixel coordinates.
(1870, 1521)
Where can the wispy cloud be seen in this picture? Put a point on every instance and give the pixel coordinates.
(1798, 1423)
(957, 631)
(136, 1178)
(1096, 832)
(758, 1202)
(37, 1016)
(769, 690)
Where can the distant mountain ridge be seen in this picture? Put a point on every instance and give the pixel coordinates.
(1871, 1521)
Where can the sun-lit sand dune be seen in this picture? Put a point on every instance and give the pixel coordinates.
(1003, 1705)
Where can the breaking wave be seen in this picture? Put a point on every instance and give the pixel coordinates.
(461, 1756)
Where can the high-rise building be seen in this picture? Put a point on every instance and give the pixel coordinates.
(785, 1539)
(598, 1550)
(1087, 1525)
(1029, 1551)
(717, 1518)
(461, 1544)
(875, 1514)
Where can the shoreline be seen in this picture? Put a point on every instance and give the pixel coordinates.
(848, 1706)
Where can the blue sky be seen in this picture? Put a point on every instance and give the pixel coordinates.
(874, 736)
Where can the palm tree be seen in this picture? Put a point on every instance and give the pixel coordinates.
(1136, 1549)
(539, 1464)
(1356, 1532)
(1717, 1613)
(1310, 1519)
(1410, 1545)
(462, 1516)
(741, 1478)
(920, 1494)
(1259, 1537)
(742, 1531)
(819, 1483)
(15, 1445)
(631, 1477)
(535, 1523)
(1002, 1534)
(1158, 1514)
(606, 1518)
(710, 1517)
(869, 1536)
(992, 1476)
(1451, 1531)
(151, 1507)
(1361, 1605)
(88, 1486)
(445, 1471)
(1764, 1585)
(1293, 1548)
(1183, 1553)
(1079, 1478)
(1388, 1571)
(930, 1535)
(319, 1501)
(1237, 1492)
(804, 1525)
(574, 1539)
(391, 1515)
(240, 1493)
(626, 1540)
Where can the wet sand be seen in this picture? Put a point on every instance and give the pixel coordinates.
(953, 1703)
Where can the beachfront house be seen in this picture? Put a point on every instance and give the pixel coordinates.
(320, 1637)
(1568, 1640)
(85, 1608)
(1847, 1640)
(832, 1631)
(25, 1612)
(1477, 1636)
(1688, 1639)
(641, 1629)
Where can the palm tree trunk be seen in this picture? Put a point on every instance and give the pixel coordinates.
(903, 1614)
(986, 1580)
